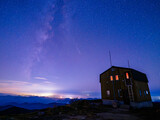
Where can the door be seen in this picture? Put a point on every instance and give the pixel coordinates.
(126, 97)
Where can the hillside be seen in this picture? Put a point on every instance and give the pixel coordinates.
(83, 110)
(14, 110)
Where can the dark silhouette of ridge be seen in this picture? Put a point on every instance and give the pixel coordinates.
(15, 110)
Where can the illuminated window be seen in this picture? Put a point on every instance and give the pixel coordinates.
(127, 75)
(108, 93)
(117, 78)
(111, 78)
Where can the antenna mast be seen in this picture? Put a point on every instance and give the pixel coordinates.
(110, 58)
(112, 74)
(128, 64)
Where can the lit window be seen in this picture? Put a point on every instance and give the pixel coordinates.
(140, 92)
(108, 93)
(127, 75)
(117, 78)
(147, 92)
(111, 78)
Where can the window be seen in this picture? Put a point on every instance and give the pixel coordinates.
(127, 75)
(140, 92)
(147, 92)
(111, 78)
(113, 69)
(144, 93)
(119, 92)
(108, 93)
(117, 78)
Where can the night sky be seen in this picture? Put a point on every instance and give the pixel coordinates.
(58, 48)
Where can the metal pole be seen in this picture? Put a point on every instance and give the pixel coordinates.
(112, 75)
(110, 58)
(128, 64)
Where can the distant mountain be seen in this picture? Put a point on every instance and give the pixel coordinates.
(32, 102)
(5, 99)
(5, 107)
(30, 106)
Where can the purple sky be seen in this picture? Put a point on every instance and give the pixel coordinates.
(59, 47)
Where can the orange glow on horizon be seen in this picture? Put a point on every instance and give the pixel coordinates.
(49, 95)
(27, 89)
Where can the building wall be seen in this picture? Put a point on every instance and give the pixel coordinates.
(141, 87)
(107, 84)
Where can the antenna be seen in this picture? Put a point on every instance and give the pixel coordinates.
(110, 58)
(128, 64)
(112, 74)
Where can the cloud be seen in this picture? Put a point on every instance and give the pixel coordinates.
(44, 88)
(48, 82)
(79, 94)
(40, 78)
(156, 98)
(28, 88)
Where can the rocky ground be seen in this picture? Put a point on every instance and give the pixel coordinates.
(87, 110)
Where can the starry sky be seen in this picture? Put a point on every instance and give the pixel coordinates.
(59, 48)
